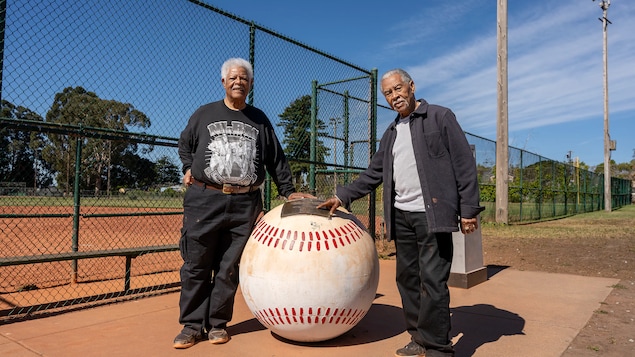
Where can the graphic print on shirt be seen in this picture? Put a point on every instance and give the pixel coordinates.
(231, 153)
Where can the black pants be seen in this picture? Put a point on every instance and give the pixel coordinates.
(216, 228)
(424, 260)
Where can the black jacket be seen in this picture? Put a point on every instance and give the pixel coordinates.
(446, 167)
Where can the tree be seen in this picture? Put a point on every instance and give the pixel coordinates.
(133, 171)
(20, 151)
(296, 121)
(76, 106)
(167, 172)
(623, 170)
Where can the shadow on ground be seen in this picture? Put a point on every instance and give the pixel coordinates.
(479, 324)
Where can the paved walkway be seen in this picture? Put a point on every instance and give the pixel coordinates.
(514, 313)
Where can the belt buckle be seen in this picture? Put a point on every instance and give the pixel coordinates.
(228, 189)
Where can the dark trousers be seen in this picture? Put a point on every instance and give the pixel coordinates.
(424, 260)
(216, 228)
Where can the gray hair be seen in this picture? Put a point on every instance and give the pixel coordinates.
(236, 62)
(405, 77)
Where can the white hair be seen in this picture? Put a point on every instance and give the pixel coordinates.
(236, 62)
(405, 77)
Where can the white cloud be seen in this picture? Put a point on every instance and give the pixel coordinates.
(554, 69)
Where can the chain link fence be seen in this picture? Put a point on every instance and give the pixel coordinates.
(94, 96)
(541, 188)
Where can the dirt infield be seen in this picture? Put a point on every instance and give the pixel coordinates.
(41, 230)
(41, 234)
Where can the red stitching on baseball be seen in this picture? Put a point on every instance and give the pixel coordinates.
(276, 237)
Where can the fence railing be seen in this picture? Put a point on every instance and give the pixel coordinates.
(541, 188)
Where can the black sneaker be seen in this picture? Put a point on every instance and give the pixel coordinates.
(412, 349)
(187, 338)
(218, 336)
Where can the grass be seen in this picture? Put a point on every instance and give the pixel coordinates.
(600, 224)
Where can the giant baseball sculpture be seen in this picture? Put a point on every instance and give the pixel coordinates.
(306, 276)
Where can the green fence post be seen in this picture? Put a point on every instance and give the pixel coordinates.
(313, 143)
(521, 183)
(540, 188)
(3, 15)
(266, 204)
(554, 173)
(372, 207)
(76, 203)
(346, 129)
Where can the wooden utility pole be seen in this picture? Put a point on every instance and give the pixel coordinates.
(604, 5)
(502, 154)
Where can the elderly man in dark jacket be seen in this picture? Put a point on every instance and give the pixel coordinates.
(430, 190)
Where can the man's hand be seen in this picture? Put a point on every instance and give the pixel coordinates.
(468, 225)
(299, 195)
(333, 203)
(187, 177)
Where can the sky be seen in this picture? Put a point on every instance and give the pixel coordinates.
(555, 62)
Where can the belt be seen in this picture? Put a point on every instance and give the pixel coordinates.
(225, 188)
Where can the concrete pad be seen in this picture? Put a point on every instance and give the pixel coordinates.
(513, 313)
(536, 313)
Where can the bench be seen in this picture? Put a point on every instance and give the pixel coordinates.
(129, 253)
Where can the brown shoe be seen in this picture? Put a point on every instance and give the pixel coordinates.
(412, 349)
(187, 338)
(218, 336)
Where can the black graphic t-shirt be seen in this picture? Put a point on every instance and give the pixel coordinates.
(221, 145)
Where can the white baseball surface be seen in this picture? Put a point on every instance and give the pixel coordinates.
(309, 278)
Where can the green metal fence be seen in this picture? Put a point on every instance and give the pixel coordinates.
(541, 188)
(94, 96)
